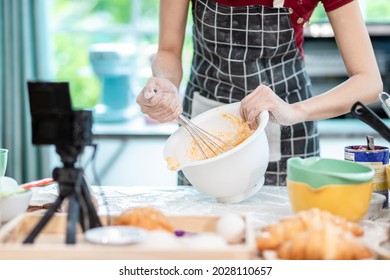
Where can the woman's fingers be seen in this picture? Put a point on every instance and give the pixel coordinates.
(159, 100)
(262, 99)
(253, 104)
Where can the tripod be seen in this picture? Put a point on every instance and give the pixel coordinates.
(72, 185)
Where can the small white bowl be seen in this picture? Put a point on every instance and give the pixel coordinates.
(14, 204)
(232, 176)
(376, 206)
(14, 200)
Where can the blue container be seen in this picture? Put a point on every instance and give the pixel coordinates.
(377, 159)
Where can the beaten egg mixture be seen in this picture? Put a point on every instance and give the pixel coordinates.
(239, 133)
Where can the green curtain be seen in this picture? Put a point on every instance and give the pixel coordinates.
(24, 49)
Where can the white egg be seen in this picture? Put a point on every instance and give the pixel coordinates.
(232, 227)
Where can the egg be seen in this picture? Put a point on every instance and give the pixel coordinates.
(231, 227)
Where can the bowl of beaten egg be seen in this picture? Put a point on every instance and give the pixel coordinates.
(231, 176)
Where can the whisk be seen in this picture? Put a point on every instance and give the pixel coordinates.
(204, 140)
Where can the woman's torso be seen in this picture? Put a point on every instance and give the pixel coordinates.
(236, 50)
(301, 11)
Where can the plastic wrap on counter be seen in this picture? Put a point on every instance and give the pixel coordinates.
(268, 205)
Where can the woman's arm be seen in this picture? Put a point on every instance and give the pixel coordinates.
(160, 97)
(364, 82)
(167, 63)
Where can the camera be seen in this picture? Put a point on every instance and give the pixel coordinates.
(53, 119)
(55, 122)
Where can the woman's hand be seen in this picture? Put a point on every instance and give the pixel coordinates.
(263, 98)
(159, 99)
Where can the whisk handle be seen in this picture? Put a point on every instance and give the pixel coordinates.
(183, 120)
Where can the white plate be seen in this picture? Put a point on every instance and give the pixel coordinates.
(115, 235)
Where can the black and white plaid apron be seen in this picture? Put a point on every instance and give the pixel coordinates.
(236, 49)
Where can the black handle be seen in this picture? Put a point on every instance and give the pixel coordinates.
(366, 115)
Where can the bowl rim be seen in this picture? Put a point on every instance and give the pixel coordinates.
(263, 116)
(21, 193)
(319, 158)
(353, 176)
(330, 186)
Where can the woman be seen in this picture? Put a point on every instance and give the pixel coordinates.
(251, 51)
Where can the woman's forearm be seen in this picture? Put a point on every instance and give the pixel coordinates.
(168, 66)
(339, 100)
(167, 63)
(364, 83)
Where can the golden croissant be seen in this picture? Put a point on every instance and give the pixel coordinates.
(272, 236)
(327, 242)
(145, 217)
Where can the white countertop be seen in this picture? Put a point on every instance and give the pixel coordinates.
(269, 205)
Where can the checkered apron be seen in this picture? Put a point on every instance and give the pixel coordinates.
(236, 49)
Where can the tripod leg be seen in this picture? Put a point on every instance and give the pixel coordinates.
(73, 218)
(42, 223)
(92, 220)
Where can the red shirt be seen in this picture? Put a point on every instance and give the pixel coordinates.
(301, 11)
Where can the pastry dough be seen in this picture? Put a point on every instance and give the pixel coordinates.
(272, 236)
(327, 242)
(145, 217)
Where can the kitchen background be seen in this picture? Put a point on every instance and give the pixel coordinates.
(130, 150)
(104, 47)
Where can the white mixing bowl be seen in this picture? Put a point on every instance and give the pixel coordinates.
(229, 177)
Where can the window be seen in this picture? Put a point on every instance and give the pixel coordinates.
(77, 25)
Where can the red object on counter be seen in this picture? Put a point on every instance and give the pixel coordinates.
(38, 183)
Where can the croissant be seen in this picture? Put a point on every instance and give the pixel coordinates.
(325, 216)
(272, 236)
(327, 242)
(145, 217)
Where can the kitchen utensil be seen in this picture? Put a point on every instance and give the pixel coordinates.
(370, 143)
(317, 172)
(208, 144)
(115, 235)
(377, 158)
(341, 187)
(15, 204)
(350, 201)
(385, 99)
(232, 176)
(365, 114)
(14, 200)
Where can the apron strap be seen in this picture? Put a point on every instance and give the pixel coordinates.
(278, 3)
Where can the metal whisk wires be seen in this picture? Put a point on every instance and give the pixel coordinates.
(204, 140)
